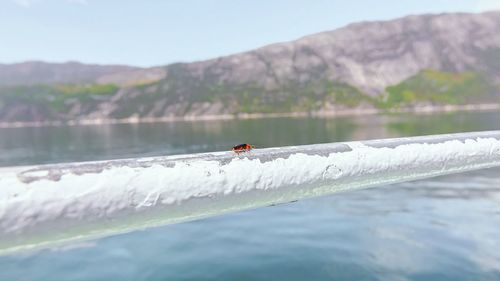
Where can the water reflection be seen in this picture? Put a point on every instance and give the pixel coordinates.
(426, 124)
(61, 144)
(446, 228)
(23, 146)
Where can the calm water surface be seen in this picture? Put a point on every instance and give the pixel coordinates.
(445, 228)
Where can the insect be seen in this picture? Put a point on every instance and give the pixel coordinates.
(244, 147)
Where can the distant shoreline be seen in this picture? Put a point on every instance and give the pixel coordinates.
(430, 109)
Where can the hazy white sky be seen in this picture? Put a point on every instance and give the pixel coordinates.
(155, 32)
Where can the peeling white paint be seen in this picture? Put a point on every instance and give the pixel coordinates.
(113, 197)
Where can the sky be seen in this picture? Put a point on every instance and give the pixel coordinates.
(158, 32)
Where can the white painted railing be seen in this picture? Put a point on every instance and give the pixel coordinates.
(47, 205)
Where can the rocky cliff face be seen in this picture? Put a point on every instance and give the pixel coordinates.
(353, 67)
(369, 56)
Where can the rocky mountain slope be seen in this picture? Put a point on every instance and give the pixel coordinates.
(426, 59)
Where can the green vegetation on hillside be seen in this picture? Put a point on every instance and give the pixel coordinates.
(289, 98)
(55, 98)
(179, 94)
(427, 86)
(180, 88)
(89, 89)
(430, 86)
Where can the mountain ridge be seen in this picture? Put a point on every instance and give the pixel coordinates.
(350, 67)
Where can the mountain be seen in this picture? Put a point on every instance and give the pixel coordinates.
(408, 62)
(37, 72)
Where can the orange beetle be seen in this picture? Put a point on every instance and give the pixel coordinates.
(244, 147)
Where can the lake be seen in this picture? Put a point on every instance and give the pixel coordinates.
(445, 228)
